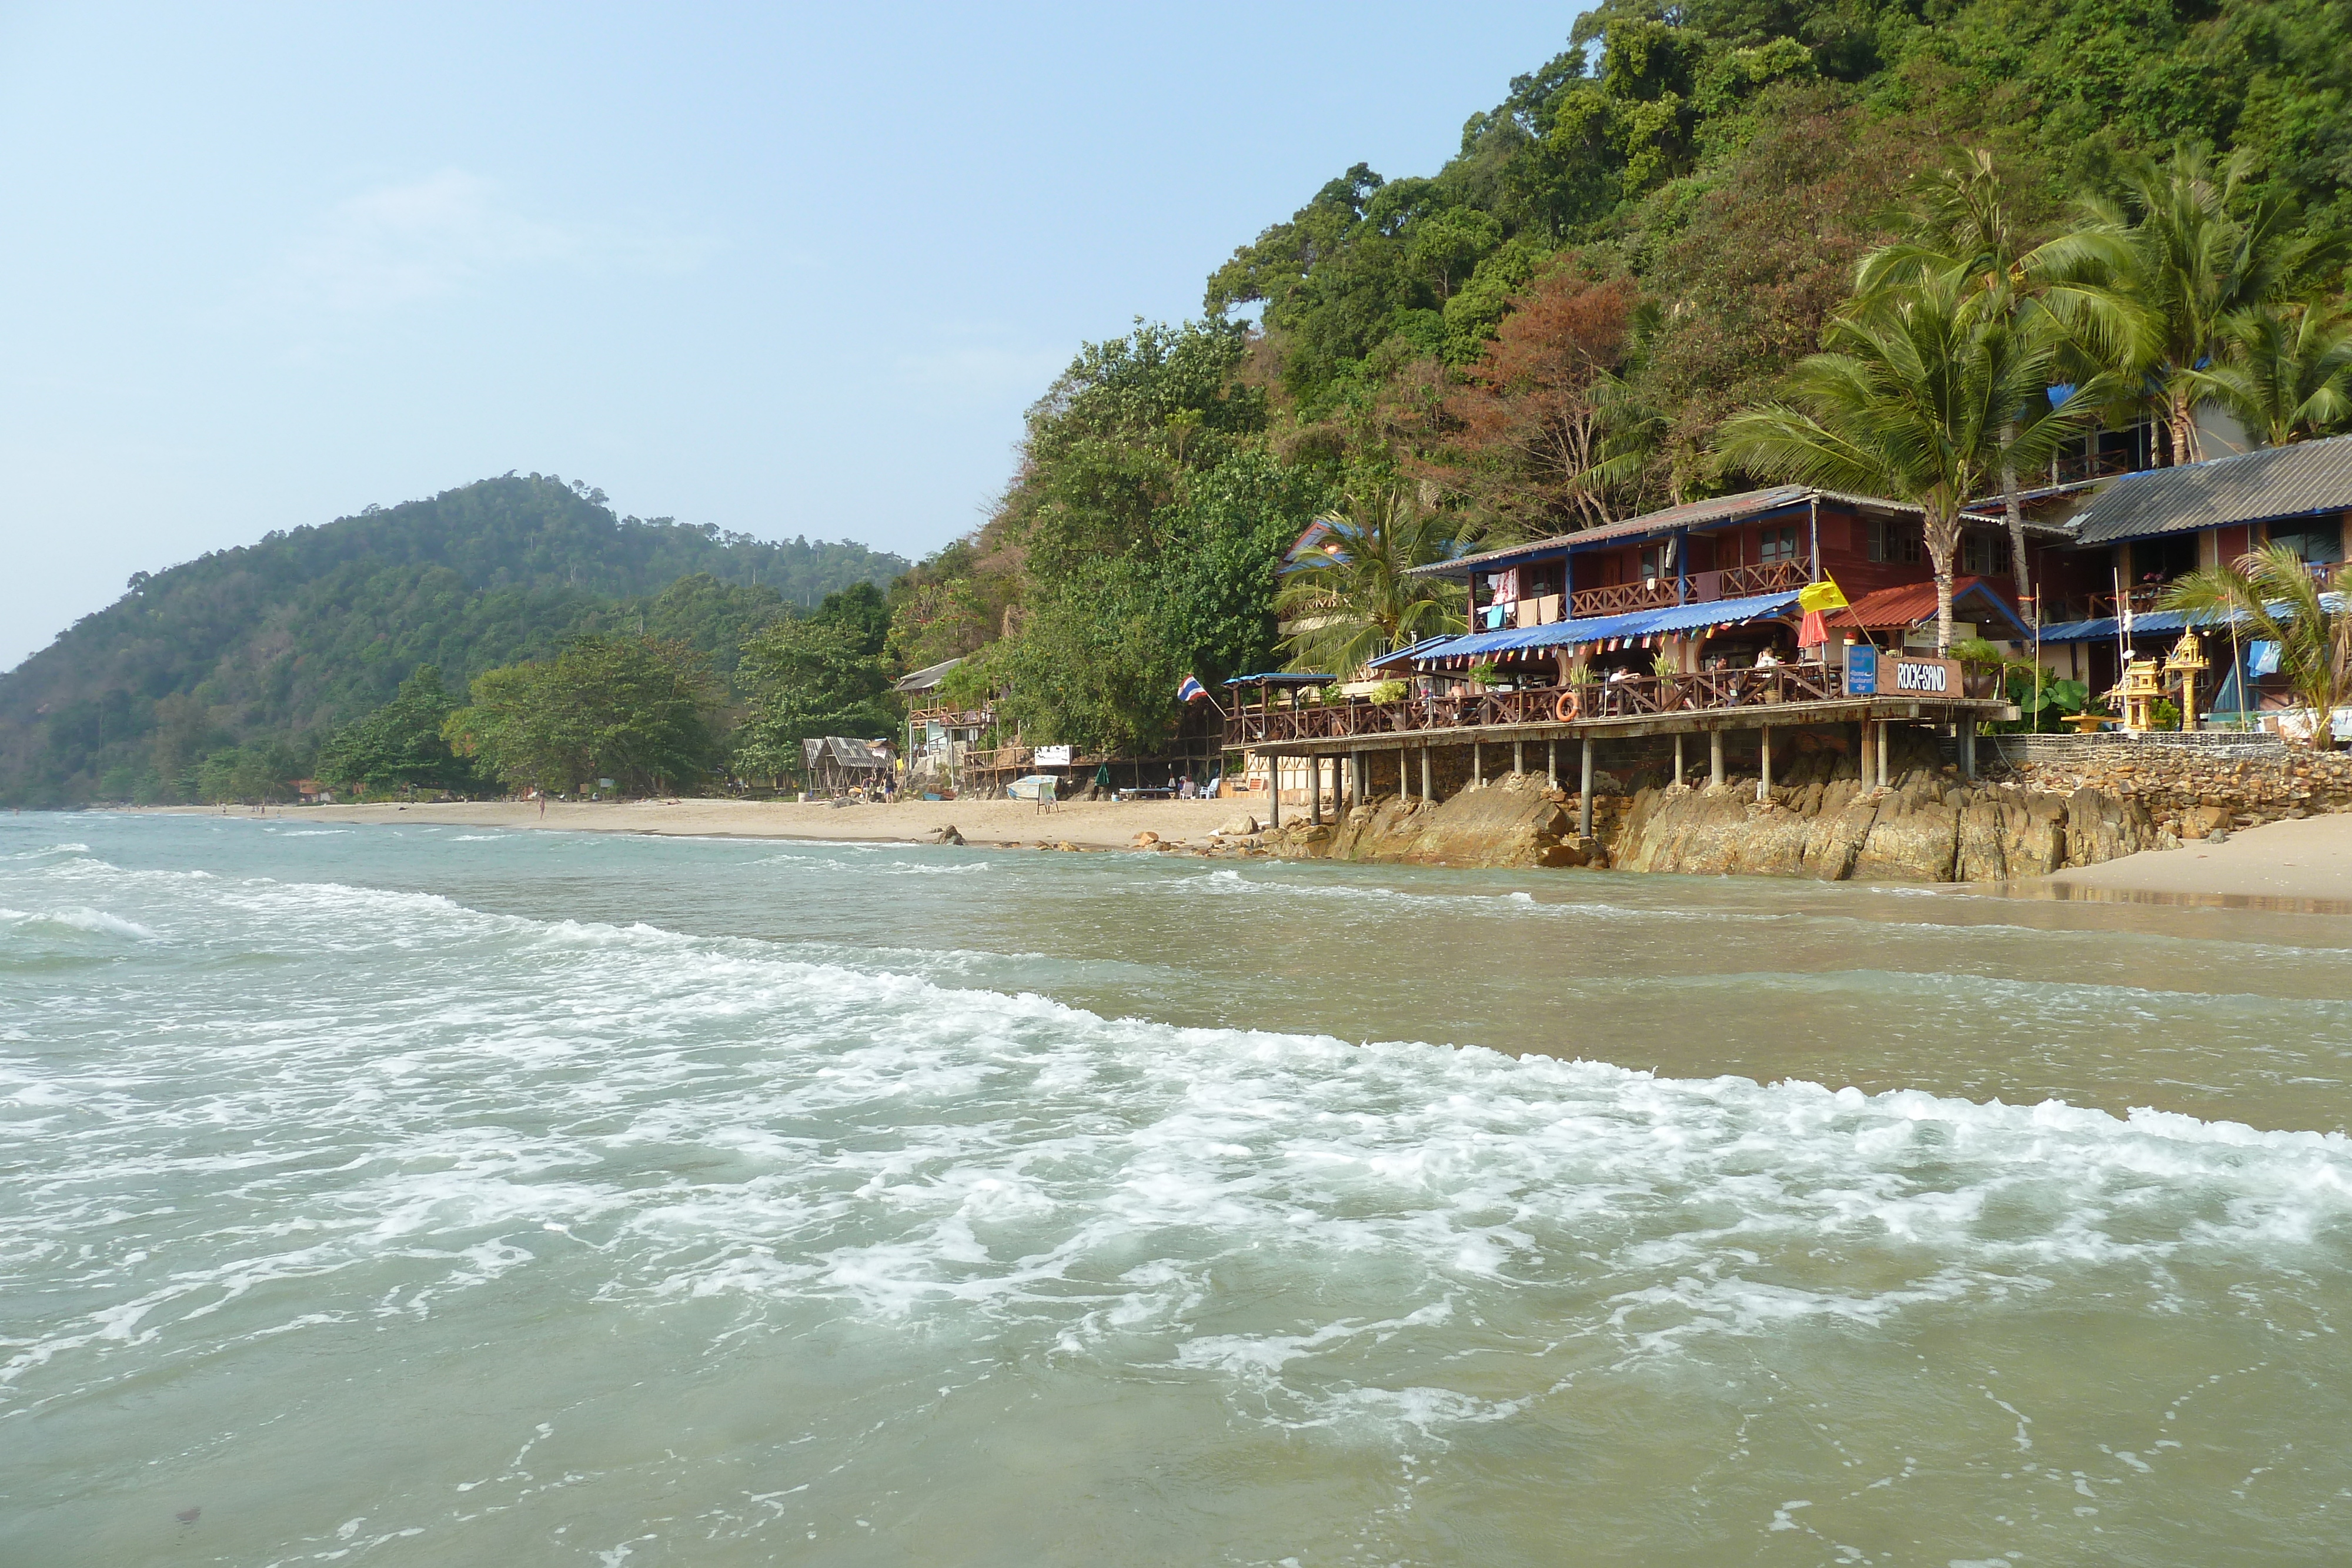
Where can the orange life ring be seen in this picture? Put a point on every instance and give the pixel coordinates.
(1567, 707)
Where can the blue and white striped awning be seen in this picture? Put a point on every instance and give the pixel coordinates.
(1670, 618)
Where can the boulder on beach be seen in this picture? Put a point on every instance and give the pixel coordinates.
(946, 835)
(1240, 827)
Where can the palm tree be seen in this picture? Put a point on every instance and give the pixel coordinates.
(1351, 598)
(2203, 248)
(2288, 374)
(1910, 401)
(1960, 217)
(2280, 598)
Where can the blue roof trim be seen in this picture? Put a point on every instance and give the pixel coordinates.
(1407, 655)
(1602, 628)
(2163, 621)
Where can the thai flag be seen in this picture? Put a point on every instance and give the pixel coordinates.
(1191, 691)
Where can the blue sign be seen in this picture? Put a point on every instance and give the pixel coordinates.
(1861, 670)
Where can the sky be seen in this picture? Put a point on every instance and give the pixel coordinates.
(789, 270)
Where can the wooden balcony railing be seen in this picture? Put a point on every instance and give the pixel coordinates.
(1706, 587)
(1640, 697)
(954, 718)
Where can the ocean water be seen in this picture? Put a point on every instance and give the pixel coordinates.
(438, 1195)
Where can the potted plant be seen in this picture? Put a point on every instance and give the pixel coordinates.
(1981, 666)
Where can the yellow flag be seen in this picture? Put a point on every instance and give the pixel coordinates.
(1822, 595)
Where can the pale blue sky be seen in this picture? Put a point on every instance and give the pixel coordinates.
(786, 271)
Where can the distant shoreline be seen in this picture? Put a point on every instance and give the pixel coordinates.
(2290, 865)
(1087, 825)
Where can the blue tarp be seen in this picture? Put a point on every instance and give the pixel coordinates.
(1608, 628)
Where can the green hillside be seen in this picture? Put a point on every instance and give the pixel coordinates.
(283, 640)
(1642, 238)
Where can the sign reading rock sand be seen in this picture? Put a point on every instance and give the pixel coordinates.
(1924, 677)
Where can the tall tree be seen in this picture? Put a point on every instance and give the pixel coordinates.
(2202, 244)
(1963, 217)
(636, 709)
(400, 745)
(805, 680)
(2287, 373)
(1352, 596)
(1910, 401)
(1547, 436)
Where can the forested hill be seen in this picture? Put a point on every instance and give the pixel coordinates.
(314, 627)
(1644, 238)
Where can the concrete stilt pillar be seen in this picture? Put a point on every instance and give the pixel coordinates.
(1477, 765)
(1274, 791)
(1551, 762)
(1882, 748)
(1969, 748)
(1764, 778)
(1315, 791)
(1404, 781)
(1518, 756)
(1584, 798)
(1678, 759)
(1426, 793)
(1715, 757)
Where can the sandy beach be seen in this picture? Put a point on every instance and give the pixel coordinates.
(2306, 862)
(1087, 825)
(2279, 864)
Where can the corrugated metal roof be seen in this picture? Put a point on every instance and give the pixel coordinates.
(928, 676)
(1914, 604)
(2150, 622)
(1605, 628)
(2311, 477)
(1689, 515)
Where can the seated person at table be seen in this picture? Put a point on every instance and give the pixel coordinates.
(1768, 660)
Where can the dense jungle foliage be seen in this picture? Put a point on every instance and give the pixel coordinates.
(262, 653)
(1644, 238)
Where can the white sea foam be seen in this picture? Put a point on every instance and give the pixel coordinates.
(462, 1103)
(96, 921)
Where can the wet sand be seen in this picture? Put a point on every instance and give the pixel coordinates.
(1091, 826)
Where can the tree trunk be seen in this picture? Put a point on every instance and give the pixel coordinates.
(1941, 534)
(1943, 606)
(2183, 424)
(2020, 573)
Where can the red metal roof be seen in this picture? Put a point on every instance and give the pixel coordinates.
(1912, 604)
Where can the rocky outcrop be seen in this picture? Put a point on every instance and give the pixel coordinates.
(1516, 820)
(1928, 827)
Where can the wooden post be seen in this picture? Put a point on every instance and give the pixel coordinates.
(1584, 801)
(1678, 757)
(1764, 778)
(1969, 747)
(1715, 757)
(1425, 793)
